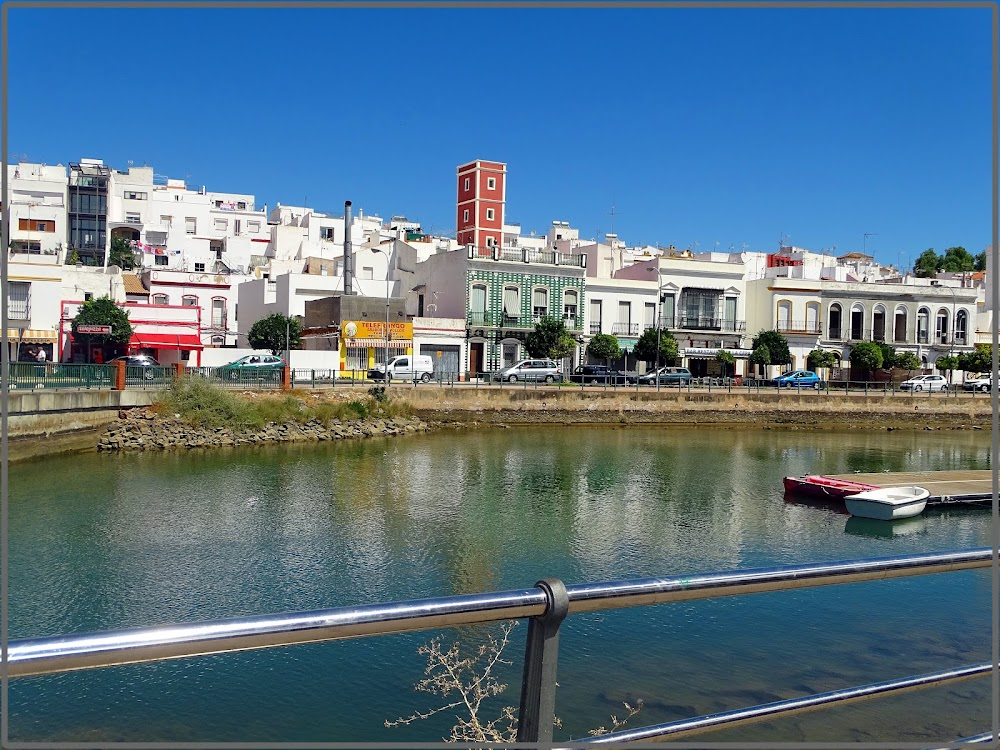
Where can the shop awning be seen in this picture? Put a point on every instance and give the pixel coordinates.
(34, 335)
(166, 341)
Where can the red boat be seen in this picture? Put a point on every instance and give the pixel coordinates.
(825, 487)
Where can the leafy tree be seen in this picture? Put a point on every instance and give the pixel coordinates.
(604, 346)
(907, 361)
(645, 349)
(978, 360)
(760, 355)
(726, 359)
(818, 358)
(947, 364)
(550, 339)
(102, 311)
(980, 261)
(866, 356)
(777, 347)
(888, 355)
(121, 254)
(270, 333)
(73, 258)
(928, 264)
(957, 259)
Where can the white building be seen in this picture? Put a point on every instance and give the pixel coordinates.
(38, 220)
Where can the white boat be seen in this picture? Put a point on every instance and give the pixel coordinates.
(888, 503)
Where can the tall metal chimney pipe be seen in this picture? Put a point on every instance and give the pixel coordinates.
(348, 254)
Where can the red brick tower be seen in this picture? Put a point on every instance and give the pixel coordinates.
(482, 191)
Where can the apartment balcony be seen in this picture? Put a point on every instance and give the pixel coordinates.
(800, 326)
(859, 334)
(482, 318)
(595, 328)
(834, 333)
(700, 323)
(625, 329)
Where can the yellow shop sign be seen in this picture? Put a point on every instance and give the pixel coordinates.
(375, 329)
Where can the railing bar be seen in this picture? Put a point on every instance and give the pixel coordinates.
(975, 740)
(64, 653)
(766, 711)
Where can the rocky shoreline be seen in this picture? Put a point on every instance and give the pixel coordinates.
(145, 430)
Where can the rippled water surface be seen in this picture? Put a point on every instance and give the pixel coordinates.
(102, 542)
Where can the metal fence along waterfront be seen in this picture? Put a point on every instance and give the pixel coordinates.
(546, 606)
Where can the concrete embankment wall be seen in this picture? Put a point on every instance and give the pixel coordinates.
(595, 406)
(47, 422)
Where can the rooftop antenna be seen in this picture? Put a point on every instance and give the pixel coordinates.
(865, 244)
(784, 238)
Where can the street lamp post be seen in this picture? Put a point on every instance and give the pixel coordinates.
(659, 320)
(388, 380)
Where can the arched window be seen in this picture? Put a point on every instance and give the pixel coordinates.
(784, 316)
(857, 322)
(941, 327)
(962, 327)
(539, 303)
(878, 323)
(477, 305)
(836, 313)
(570, 307)
(161, 299)
(899, 324)
(511, 305)
(189, 300)
(923, 326)
(812, 317)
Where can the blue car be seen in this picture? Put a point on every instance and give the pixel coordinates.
(798, 379)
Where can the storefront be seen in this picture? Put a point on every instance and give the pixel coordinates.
(704, 362)
(364, 344)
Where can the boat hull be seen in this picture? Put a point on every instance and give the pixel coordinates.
(888, 503)
(825, 487)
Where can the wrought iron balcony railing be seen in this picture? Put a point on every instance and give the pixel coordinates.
(799, 326)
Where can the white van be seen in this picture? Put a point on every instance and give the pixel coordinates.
(406, 367)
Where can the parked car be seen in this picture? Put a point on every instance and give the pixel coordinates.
(798, 379)
(138, 360)
(924, 383)
(600, 375)
(531, 369)
(982, 382)
(667, 376)
(406, 367)
(253, 367)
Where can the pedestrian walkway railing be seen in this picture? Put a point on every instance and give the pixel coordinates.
(546, 606)
(30, 375)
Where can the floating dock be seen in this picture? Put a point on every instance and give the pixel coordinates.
(967, 486)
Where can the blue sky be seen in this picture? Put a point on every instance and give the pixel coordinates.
(700, 126)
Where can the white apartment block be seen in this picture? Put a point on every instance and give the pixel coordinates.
(38, 224)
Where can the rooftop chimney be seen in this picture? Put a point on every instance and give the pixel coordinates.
(348, 257)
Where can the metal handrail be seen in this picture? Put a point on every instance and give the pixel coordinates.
(64, 653)
(766, 711)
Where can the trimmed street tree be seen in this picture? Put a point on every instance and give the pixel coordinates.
(888, 355)
(978, 360)
(761, 355)
(819, 358)
(550, 339)
(726, 359)
(102, 311)
(271, 332)
(866, 356)
(777, 347)
(645, 349)
(947, 364)
(604, 346)
(907, 361)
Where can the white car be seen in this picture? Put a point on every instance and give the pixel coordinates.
(925, 383)
(979, 383)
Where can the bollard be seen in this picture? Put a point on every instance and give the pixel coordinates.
(119, 375)
(538, 684)
(178, 369)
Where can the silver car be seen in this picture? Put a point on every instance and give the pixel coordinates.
(531, 369)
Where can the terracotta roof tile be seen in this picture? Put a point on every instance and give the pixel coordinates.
(133, 284)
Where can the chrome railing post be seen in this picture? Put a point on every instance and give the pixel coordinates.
(538, 685)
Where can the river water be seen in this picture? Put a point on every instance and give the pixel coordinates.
(104, 541)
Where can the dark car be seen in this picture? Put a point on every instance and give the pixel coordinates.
(667, 376)
(138, 365)
(599, 375)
